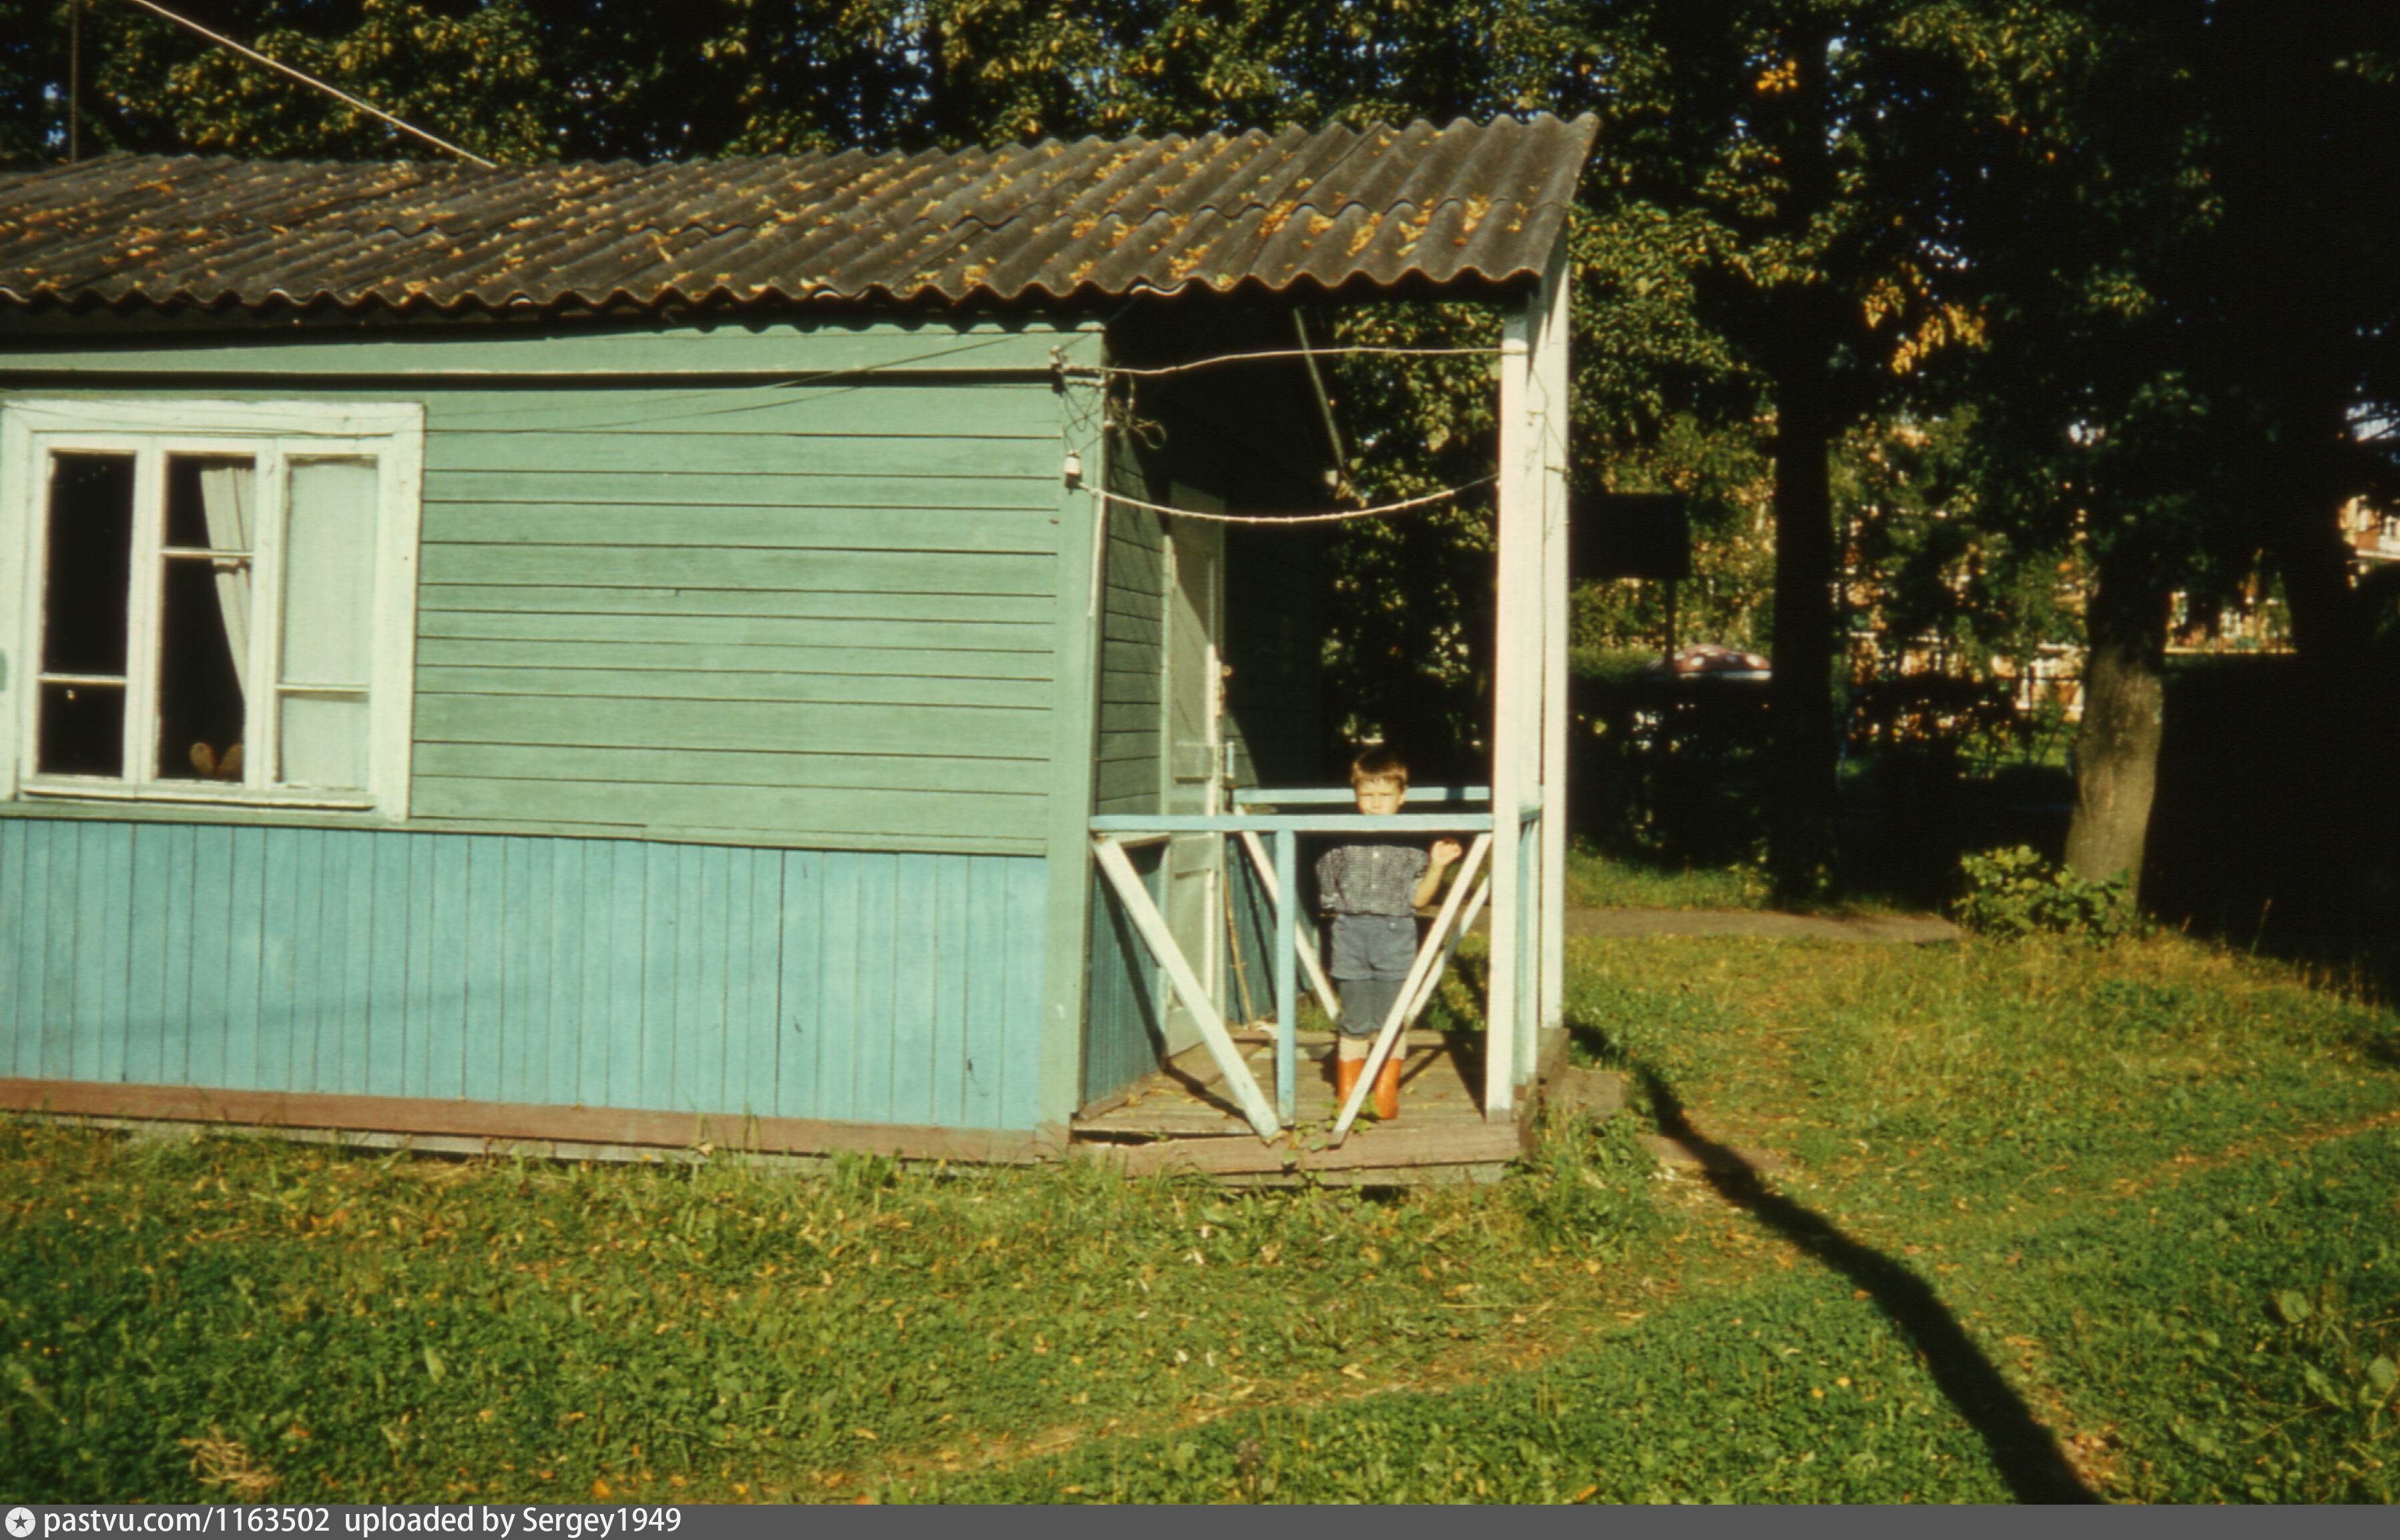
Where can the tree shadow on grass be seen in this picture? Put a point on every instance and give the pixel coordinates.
(2026, 1455)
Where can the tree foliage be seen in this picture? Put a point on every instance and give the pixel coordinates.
(1803, 159)
(1942, 312)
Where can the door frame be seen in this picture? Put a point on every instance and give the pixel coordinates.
(1194, 856)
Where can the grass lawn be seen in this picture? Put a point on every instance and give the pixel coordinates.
(2052, 1221)
(1597, 881)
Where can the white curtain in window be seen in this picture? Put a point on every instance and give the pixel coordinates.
(229, 498)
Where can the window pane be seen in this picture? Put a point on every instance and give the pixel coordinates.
(329, 573)
(324, 742)
(211, 502)
(83, 731)
(90, 565)
(203, 653)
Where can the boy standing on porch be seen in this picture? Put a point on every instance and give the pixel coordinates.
(1374, 888)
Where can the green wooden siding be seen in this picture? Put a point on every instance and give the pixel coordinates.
(841, 627)
(660, 594)
(1124, 1030)
(846, 985)
(831, 351)
(1133, 653)
(1251, 930)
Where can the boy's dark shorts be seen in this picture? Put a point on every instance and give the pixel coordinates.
(1372, 945)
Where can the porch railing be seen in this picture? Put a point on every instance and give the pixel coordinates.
(1293, 931)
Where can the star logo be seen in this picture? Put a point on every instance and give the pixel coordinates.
(20, 1522)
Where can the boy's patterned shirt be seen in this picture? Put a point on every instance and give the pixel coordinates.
(1374, 876)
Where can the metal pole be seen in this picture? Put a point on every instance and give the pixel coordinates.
(1287, 975)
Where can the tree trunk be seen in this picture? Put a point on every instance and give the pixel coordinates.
(1800, 707)
(2333, 768)
(2290, 257)
(1805, 323)
(2304, 535)
(2124, 717)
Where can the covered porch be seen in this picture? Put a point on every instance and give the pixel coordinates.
(1245, 1093)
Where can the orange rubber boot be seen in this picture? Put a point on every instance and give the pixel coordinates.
(1345, 1080)
(1387, 1090)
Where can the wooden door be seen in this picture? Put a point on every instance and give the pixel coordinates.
(1194, 751)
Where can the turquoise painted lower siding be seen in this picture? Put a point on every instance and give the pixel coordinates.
(1124, 1033)
(1252, 958)
(842, 985)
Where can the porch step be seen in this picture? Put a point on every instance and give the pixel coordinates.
(1597, 1093)
(1395, 1152)
(1188, 1099)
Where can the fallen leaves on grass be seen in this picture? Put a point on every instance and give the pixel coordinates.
(218, 1461)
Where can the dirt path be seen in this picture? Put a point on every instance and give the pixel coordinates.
(1915, 930)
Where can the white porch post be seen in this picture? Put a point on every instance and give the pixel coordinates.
(1552, 399)
(1516, 697)
(1529, 690)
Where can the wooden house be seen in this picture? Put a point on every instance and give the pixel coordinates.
(626, 657)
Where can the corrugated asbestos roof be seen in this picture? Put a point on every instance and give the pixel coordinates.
(1325, 207)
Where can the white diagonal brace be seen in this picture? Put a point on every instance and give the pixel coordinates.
(1411, 1005)
(1433, 979)
(1436, 942)
(1317, 978)
(1161, 941)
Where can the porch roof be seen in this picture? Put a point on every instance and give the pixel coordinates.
(1324, 210)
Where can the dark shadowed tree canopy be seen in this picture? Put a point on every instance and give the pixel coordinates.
(2124, 267)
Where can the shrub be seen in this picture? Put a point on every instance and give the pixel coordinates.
(2016, 893)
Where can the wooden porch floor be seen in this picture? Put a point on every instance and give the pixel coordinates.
(1182, 1119)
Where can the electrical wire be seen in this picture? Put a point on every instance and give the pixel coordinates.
(368, 107)
(1121, 372)
(1378, 511)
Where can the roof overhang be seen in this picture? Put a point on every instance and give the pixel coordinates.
(1336, 212)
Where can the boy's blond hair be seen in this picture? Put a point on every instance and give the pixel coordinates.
(1379, 763)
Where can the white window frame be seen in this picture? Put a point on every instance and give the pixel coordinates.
(274, 434)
